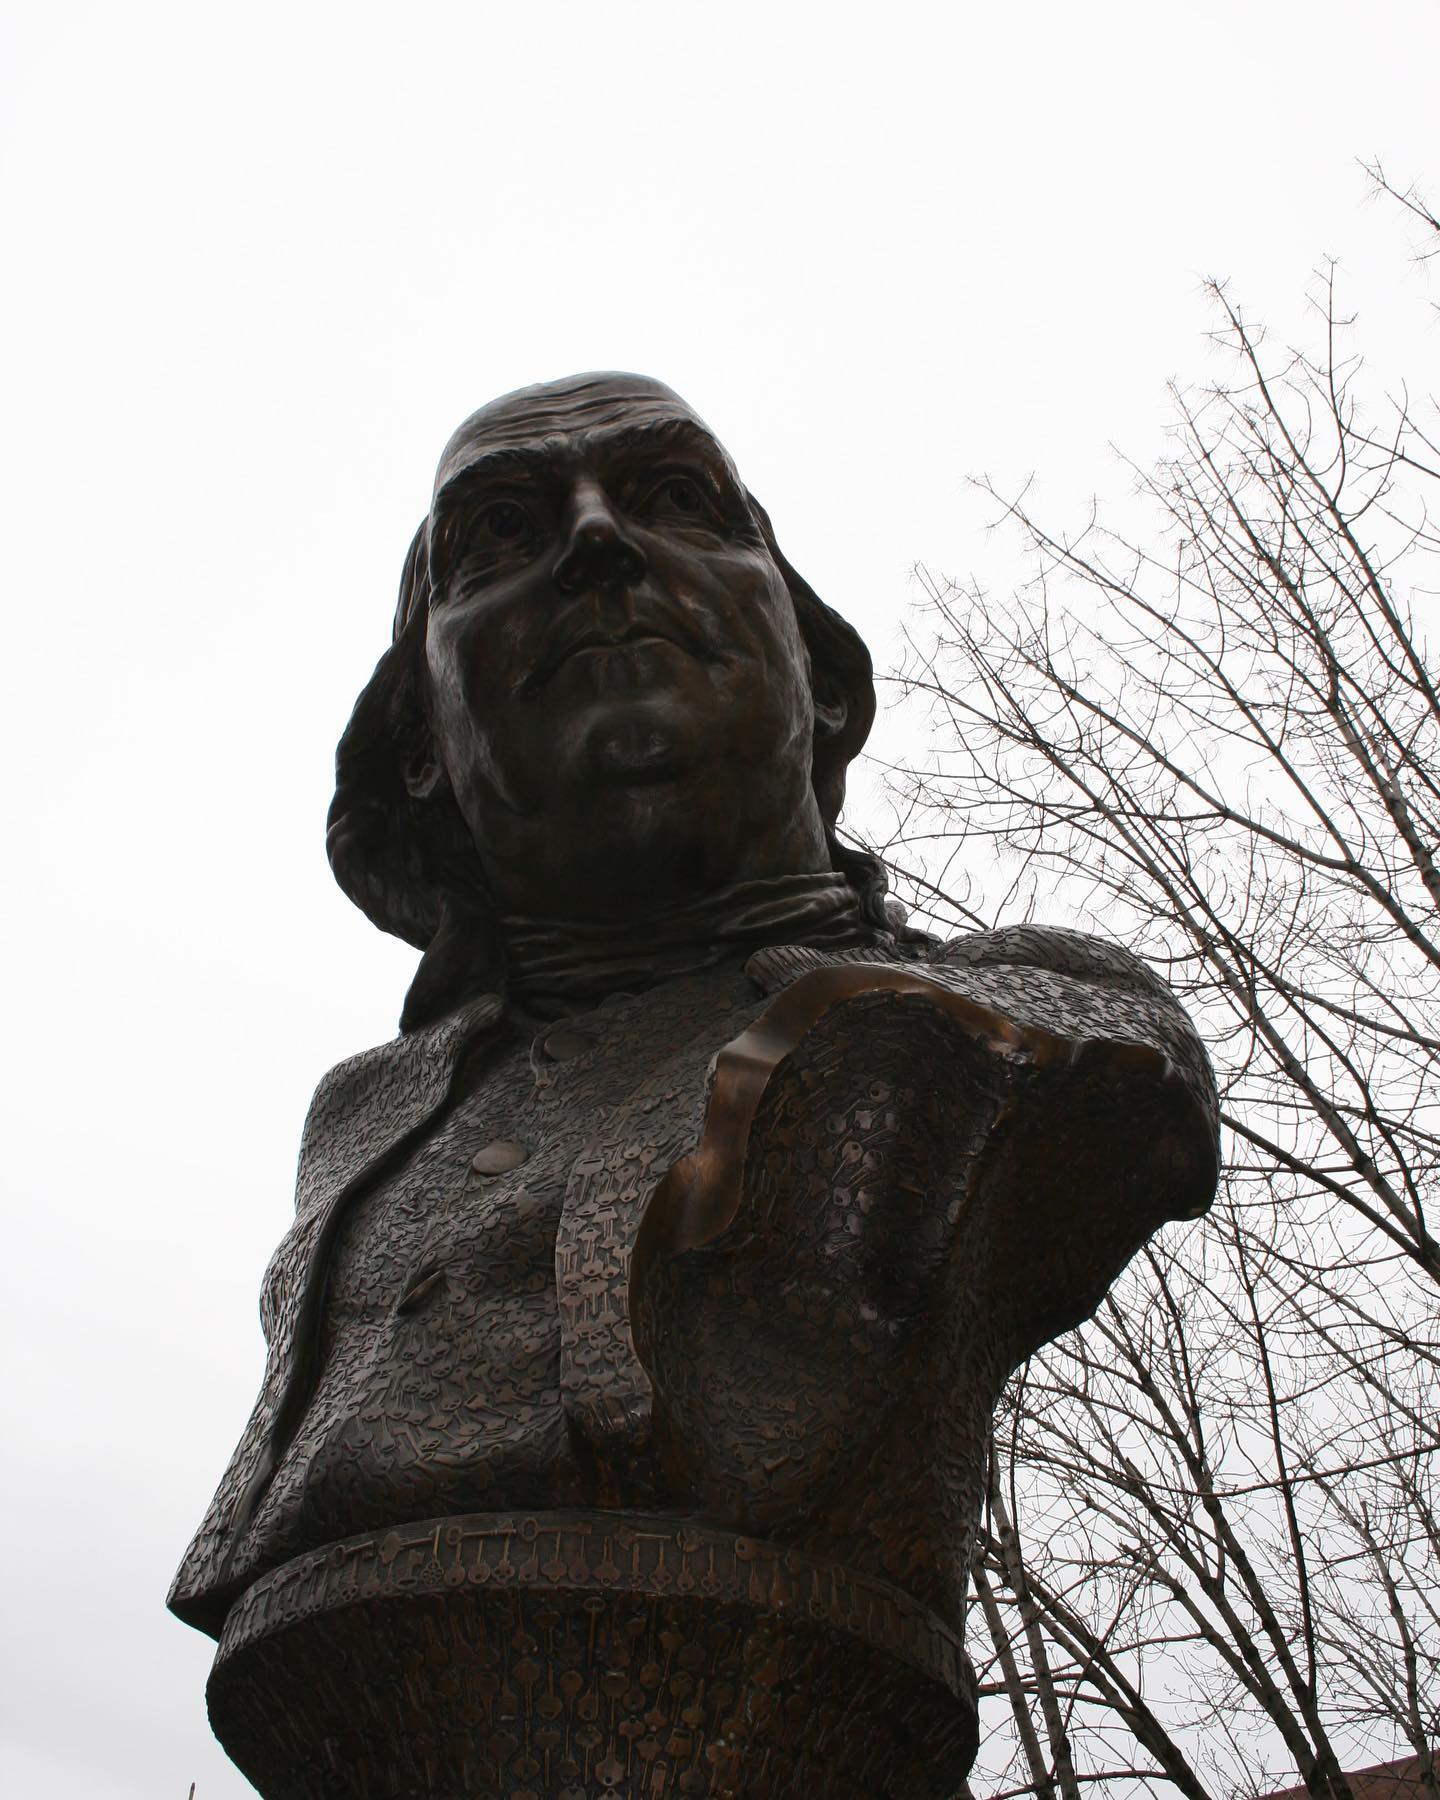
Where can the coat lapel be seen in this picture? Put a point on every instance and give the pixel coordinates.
(364, 1112)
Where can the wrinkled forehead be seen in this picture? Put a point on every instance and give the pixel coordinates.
(572, 411)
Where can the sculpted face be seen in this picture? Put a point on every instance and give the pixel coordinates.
(619, 690)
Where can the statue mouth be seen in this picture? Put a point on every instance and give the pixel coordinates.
(597, 641)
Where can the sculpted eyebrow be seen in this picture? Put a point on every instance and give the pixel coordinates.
(521, 459)
(679, 434)
(535, 461)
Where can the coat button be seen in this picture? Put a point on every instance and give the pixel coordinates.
(498, 1156)
(565, 1041)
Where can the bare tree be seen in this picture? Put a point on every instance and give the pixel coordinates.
(1213, 1559)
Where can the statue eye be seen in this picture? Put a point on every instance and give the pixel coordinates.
(506, 521)
(680, 494)
(684, 495)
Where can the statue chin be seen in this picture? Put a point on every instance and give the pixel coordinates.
(638, 751)
(638, 746)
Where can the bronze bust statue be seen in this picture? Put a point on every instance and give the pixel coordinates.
(633, 1351)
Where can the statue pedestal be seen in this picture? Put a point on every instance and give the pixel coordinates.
(559, 1656)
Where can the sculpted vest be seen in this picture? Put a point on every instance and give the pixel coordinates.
(749, 1255)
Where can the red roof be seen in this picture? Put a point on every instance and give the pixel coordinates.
(1385, 1781)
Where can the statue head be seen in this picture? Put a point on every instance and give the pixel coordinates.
(607, 692)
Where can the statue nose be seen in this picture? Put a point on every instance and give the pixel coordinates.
(599, 551)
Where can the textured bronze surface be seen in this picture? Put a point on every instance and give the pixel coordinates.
(633, 1351)
(569, 1654)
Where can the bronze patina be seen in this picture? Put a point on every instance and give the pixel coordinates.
(633, 1352)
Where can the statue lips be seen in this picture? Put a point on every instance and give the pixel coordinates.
(597, 638)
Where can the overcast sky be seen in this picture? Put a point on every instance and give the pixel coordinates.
(259, 261)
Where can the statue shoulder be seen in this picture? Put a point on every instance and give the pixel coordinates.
(1042, 947)
(1051, 947)
(1067, 984)
(367, 1102)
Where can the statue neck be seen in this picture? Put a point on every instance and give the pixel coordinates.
(559, 966)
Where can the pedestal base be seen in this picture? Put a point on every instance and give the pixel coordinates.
(560, 1656)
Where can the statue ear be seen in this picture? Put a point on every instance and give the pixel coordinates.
(420, 766)
(422, 770)
(830, 717)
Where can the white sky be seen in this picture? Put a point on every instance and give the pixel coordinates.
(259, 261)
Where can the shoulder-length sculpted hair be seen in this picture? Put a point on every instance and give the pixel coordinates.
(410, 865)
